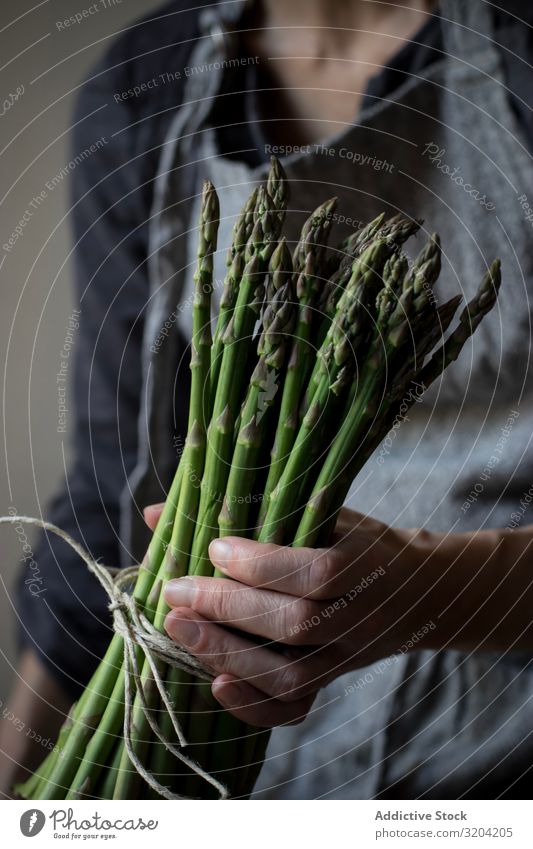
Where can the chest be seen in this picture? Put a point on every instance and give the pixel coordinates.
(464, 187)
(315, 78)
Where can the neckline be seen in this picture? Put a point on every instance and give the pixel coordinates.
(385, 83)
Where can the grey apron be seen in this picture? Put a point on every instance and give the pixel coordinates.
(445, 146)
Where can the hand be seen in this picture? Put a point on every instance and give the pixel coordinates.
(332, 610)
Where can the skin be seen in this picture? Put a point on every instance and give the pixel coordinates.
(471, 591)
(320, 70)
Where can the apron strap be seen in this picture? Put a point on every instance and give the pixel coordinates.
(468, 32)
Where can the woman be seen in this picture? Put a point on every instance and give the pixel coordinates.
(390, 108)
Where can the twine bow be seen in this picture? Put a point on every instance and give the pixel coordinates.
(158, 649)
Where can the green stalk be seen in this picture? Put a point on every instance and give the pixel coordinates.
(31, 788)
(336, 361)
(400, 396)
(278, 321)
(395, 231)
(278, 189)
(237, 342)
(98, 747)
(90, 709)
(229, 394)
(366, 279)
(307, 261)
(107, 786)
(426, 267)
(469, 321)
(176, 560)
(381, 325)
(391, 332)
(113, 716)
(242, 230)
(322, 503)
(349, 251)
(159, 542)
(54, 772)
(278, 192)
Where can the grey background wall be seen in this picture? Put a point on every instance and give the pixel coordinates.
(42, 63)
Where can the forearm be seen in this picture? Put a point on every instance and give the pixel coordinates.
(30, 724)
(478, 587)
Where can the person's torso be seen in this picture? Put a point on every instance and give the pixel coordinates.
(445, 146)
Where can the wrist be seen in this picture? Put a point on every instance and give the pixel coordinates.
(474, 586)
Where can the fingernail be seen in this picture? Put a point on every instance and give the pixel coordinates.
(220, 552)
(179, 592)
(184, 631)
(152, 507)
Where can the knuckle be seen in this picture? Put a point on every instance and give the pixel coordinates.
(221, 600)
(300, 618)
(324, 571)
(202, 644)
(292, 678)
(256, 570)
(216, 654)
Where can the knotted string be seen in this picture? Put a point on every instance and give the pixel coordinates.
(158, 649)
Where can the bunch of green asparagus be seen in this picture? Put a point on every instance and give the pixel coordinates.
(313, 353)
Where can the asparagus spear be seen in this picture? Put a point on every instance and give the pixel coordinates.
(176, 559)
(395, 231)
(307, 260)
(348, 332)
(353, 428)
(242, 230)
(278, 322)
(407, 328)
(59, 768)
(404, 391)
(108, 680)
(392, 330)
(237, 343)
(365, 279)
(278, 191)
(469, 321)
(427, 265)
(278, 188)
(341, 337)
(57, 771)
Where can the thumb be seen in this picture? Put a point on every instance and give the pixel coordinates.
(151, 514)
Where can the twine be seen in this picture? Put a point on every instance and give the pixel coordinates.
(136, 630)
